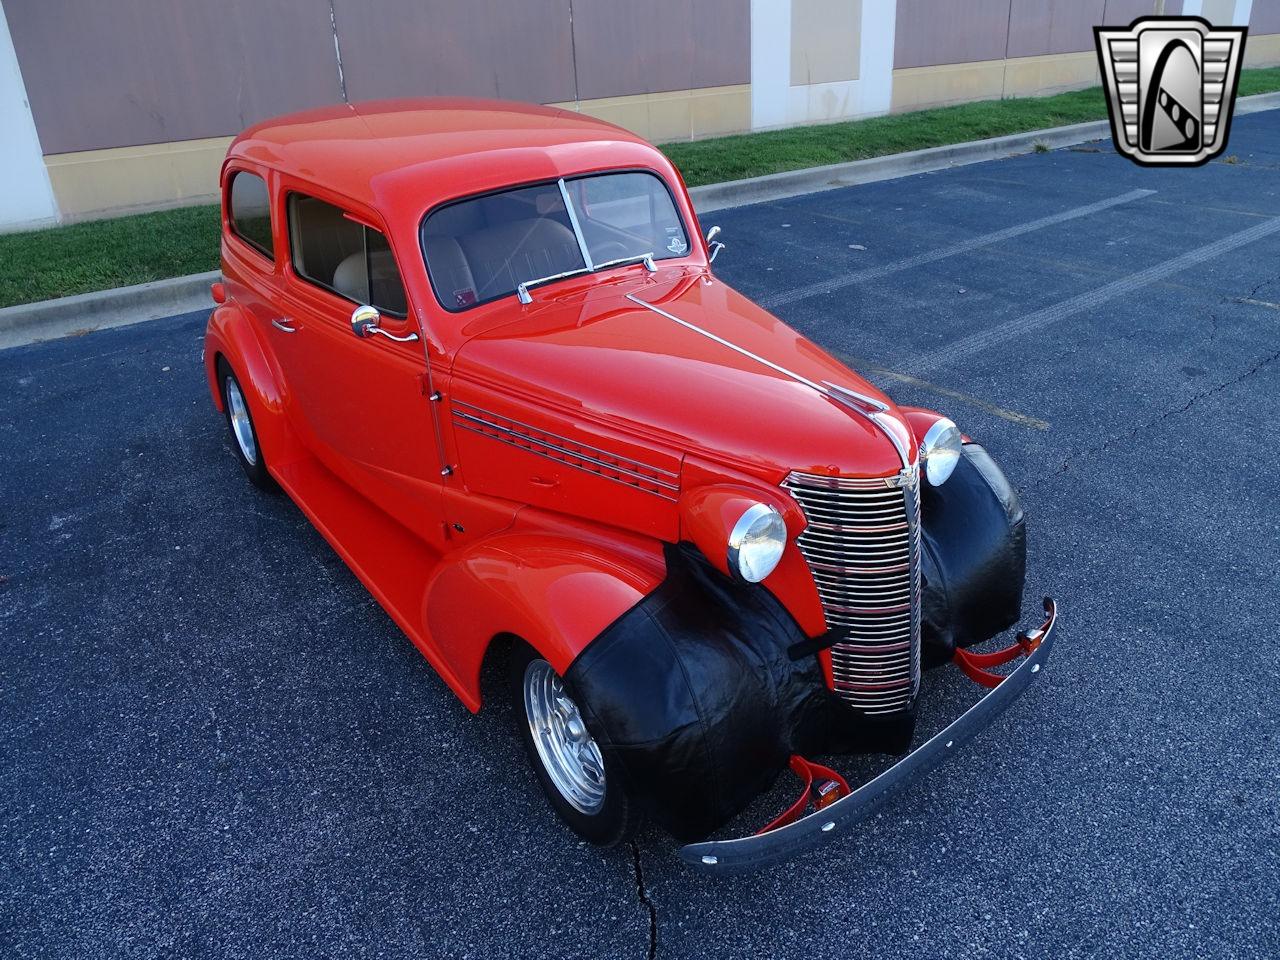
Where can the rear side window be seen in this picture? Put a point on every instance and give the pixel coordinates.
(250, 212)
(345, 257)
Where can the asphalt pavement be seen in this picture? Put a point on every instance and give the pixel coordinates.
(214, 743)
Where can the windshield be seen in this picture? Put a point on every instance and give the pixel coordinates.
(484, 248)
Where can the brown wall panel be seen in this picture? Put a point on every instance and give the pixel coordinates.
(511, 49)
(930, 32)
(1121, 13)
(625, 47)
(125, 72)
(1264, 17)
(1039, 27)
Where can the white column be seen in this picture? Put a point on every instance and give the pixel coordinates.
(879, 28)
(1239, 16)
(775, 102)
(26, 197)
(770, 62)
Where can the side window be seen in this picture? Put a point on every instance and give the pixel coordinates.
(343, 256)
(250, 212)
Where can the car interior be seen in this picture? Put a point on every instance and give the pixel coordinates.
(483, 248)
(337, 253)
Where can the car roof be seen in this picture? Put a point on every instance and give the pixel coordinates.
(446, 147)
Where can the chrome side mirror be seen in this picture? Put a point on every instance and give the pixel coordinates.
(714, 245)
(364, 324)
(364, 321)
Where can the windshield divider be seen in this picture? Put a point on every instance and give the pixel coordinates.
(577, 227)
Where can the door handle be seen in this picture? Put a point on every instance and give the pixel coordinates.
(283, 323)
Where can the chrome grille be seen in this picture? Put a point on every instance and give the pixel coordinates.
(862, 544)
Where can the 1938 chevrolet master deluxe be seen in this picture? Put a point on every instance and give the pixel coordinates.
(481, 346)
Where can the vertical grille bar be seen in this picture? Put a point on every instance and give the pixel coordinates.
(862, 544)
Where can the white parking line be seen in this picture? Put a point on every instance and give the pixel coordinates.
(875, 373)
(964, 246)
(985, 339)
(1259, 303)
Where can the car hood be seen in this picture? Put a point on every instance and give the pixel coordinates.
(712, 375)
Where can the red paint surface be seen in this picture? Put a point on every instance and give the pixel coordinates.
(462, 537)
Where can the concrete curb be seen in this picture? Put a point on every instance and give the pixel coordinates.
(777, 186)
(792, 183)
(48, 319)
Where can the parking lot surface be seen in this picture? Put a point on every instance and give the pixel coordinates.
(214, 742)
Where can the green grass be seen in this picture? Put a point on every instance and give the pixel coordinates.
(153, 246)
(756, 154)
(1258, 81)
(107, 253)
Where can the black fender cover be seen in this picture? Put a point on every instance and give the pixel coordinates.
(973, 557)
(693, 696)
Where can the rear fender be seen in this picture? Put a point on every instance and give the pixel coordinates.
(232, 337)
(555, 592)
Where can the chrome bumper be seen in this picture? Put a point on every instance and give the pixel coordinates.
(752, 853)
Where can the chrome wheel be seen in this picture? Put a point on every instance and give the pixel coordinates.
(241, 426)
(571, 758)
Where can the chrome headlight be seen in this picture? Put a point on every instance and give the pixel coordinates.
(940, 451)
(756, 543)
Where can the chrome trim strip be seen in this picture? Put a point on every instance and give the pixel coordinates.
(850, 399)
(557, 436)
(539, 453)
(732, 346)
(862, 546)
(858, 402)
(577, 227)
(753, 852)
(458, 414)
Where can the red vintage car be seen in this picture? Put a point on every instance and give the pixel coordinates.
(481, 346)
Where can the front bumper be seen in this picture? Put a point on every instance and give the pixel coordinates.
(752, 853)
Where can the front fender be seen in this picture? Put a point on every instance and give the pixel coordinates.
(554, 591)
(232, 336)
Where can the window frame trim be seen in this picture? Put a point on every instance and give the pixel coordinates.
(229, 212)
(288, 193)
(563, 181)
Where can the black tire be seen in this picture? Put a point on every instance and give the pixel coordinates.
(618, 817)
(248, 451)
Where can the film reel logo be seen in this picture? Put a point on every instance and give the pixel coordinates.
(1171, 87)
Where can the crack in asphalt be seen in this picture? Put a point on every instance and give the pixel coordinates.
(1173, 412)
(1265, 283)
(644, 900)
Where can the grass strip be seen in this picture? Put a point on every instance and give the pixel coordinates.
(98, 255)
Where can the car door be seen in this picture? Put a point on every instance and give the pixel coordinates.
(359, 404)
(250, 267)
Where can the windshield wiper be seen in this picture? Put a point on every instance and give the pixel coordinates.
(645, 258)
(522, 290)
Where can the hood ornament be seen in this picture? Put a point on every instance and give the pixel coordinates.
(878, 413)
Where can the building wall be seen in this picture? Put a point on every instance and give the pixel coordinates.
(951, 51)
(25, 197)
(1262, 49)
(796, 78)
(159, 87)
